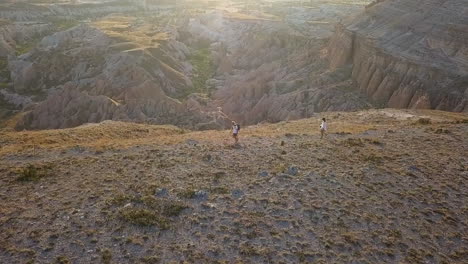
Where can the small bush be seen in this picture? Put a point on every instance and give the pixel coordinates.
(220, 190)
(173, 209)
(373, 141)
(119, 199)
(353, 142)
(143, 217)
(106, 255)
(373, 158)
(165, 208)
(32, 173)
(424, 121)
(62, 260)
(187, 194)
(150, 260)
(442, 131)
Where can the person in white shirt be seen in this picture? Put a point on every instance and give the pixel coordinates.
(323, 128)
(235, 131)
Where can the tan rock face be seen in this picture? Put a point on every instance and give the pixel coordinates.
(407, 54)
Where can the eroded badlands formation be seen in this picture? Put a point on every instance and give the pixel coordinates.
(408, 54)
(268, 61)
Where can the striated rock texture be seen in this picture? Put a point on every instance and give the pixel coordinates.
(94, 72)
(33, 12)
(268, 71)
(407, 54)
(191, 69)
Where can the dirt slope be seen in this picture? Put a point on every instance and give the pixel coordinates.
(386, 186)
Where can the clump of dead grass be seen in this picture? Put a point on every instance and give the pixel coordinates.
(353, 142)
(147, 210)
(143, 217)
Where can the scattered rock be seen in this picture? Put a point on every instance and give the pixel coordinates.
(208, 205)
(207, 158)
(292, 171)
(237, 193)
(263, 174)
(414, 168)
(191, 142)
(200, 195)
(311, 175)
(161, 192)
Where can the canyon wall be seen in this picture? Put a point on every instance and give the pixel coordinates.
(268, 70)
(407, 54)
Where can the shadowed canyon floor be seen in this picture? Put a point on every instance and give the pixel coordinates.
(386, 186)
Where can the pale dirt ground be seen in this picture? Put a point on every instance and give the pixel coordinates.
(382, 188)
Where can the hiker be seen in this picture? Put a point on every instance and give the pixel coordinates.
(235, 131)
(323, 128)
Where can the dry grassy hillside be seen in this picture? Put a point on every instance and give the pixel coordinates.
(386, 186)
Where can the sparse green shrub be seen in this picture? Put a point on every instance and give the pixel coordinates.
(424, 121)
(62, 23)
(119, 199)
(149, 210)
(106, 255)
(187, 194)
(173, 209)
(4, 72)
(373, 158)
(219, 175)
(280, 168)
(203, 70)
(32, 173)
(373, 141)
(442, 131)
(220, 190)
(143, 217)
(167, 208)
(249, 250)
(62, 260)
(26, 47)
(351, 238)
(150, 260)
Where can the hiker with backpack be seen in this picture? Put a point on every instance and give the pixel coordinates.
(235, 131)
(323, 128)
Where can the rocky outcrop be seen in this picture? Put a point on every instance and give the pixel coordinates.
(407, 54)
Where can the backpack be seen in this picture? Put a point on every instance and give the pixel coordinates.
(238, 127)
